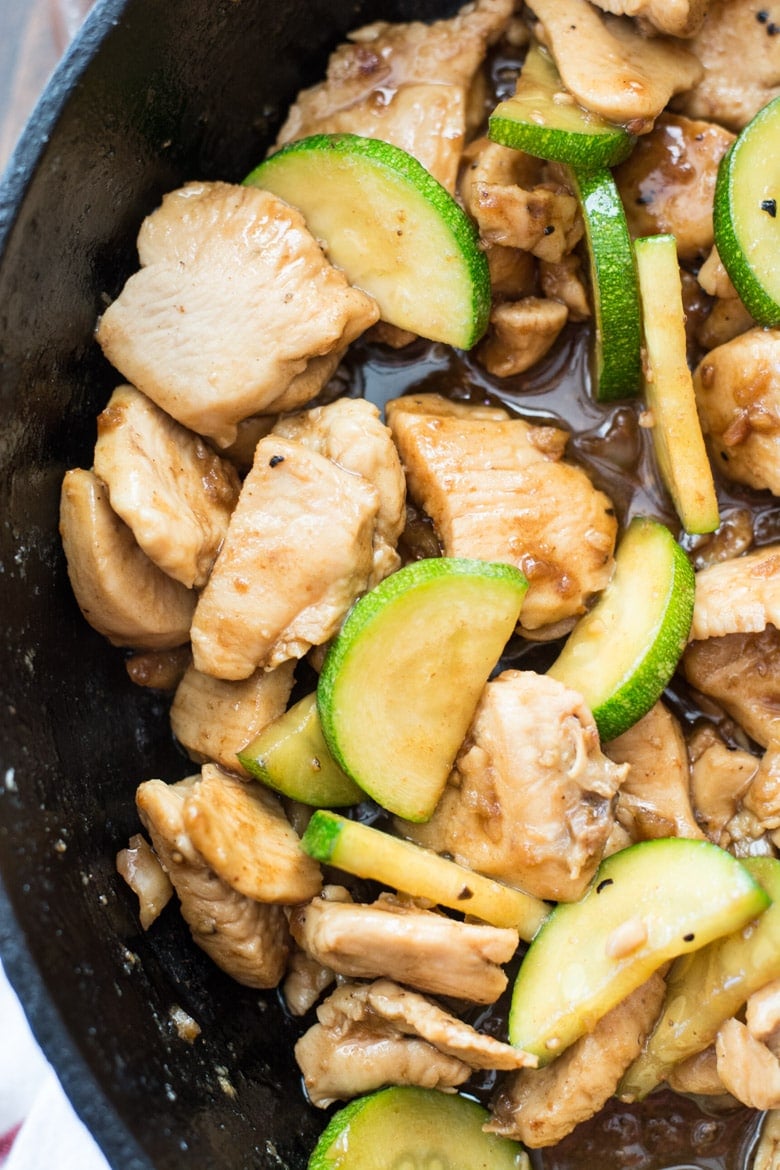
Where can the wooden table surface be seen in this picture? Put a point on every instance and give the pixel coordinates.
(33, 36)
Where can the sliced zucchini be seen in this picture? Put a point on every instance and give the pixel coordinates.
(544, 120)
(371, 853)
(393, 229)
(401, 681)
(406, 1128)
(622, 654)
(616, 340)
(709, 986)
(745, 214)
(291, 756)
(668, 386)
(646, 905)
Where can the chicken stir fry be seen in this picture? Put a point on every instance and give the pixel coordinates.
(244, 498)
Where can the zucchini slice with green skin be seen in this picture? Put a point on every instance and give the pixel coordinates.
(616, 339)
(544, 120)
(745, 214)
(393, 229)
(708, 987)
(668, 386)
(623, 652)
(401, 681)
(371, 853)
(291, 756)
(417, 1129)
(647, 904)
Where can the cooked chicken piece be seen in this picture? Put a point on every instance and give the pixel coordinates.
(539, 1107)
(414, 1014)
(720, 777)
(678, 18)
(762, 798)
(233, 300)
(668, 181)
(351, 433)
(305, 981)
(408, 84)
(427, 950)
(512, 272)
(762, 1016)
(168, 486)
(740, 596)
(140, 868)
(562, 281)
(748, 1069)
(654, 799)
(160, 670)
(298, 551)
(530, 799)
(714, 279)
(619, 838)
(741, 672)
(738, 395)
(767, 1153)
(249, 432)
(698, 1075)
(241, 831)
(248, 940)
(346, 1061)
(520, 333)
(120, 592)
(609, 66)
(497, 488)
(505, 191)
(213, 718)
(727, 319)
(741, 58)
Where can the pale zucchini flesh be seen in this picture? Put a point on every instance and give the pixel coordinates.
(622, 654)
(368, 852)
(291, 756)
(544, 120)
(401, 681)
(745, 214)
(647, 904)
(393, 229)
(409, 1128)
(709, 986)
(668, 386)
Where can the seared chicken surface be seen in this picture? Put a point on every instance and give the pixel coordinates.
(531, 797)
(234, 311)
(409, 84)
(497, 488)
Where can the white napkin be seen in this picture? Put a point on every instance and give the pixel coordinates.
(37, 1121)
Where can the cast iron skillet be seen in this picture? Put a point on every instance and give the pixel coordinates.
(153, 93)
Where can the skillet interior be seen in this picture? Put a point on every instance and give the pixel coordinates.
(153, 93)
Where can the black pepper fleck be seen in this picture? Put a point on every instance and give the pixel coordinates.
(773, 29)
(275, 460)
(762, 16)
(465, 894)
(548, 231)
(689, 937)
(603, 885)
(769, 206)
